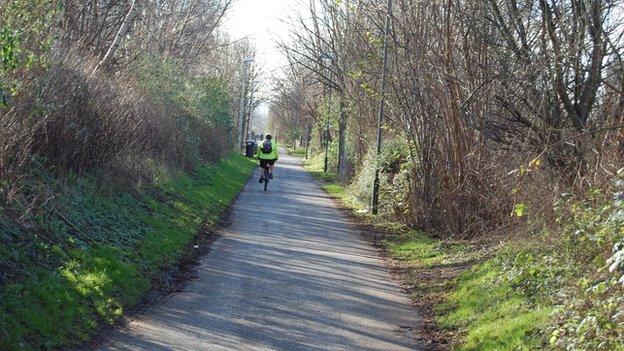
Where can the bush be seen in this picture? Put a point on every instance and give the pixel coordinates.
(593, 230)
(394, 177)
(80, 122)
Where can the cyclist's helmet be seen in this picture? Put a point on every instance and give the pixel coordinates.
(268, 137)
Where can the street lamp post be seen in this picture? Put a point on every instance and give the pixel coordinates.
(384, 77)
(241, 109)
(249, 111)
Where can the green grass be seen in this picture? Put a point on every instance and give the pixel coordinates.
(415, 248)
(341, 193)
(98, 253)
(299, 152)
(322, 176)
(481, 304)
(491, 314)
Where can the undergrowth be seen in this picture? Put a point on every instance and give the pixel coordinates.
(95, 250)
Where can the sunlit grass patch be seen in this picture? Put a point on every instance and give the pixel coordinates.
(299, 152)
(415, 247)
(491, 314)
(341, 193)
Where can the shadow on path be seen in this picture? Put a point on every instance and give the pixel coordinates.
(289, 273)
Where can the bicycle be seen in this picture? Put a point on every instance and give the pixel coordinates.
(265, 177)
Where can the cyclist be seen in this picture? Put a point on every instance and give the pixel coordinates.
(267, 154)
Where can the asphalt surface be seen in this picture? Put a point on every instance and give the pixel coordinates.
(289, 273)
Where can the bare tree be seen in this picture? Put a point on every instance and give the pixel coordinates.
(477, 87)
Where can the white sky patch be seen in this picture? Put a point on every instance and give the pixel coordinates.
(263, 22)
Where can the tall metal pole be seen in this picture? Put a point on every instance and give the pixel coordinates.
(241, 108)
(247, 118)
(382, 102)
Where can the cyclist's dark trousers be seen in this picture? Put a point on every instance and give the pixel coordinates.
(263, 163)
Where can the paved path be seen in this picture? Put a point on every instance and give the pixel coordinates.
(289, 273)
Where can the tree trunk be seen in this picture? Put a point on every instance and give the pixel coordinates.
(342, 136)
(123, 30)
(308, 140)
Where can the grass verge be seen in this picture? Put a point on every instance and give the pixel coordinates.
(97, 249)
(299, 152)
(491, 314)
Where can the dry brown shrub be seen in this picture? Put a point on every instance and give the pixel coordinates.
(78, 122)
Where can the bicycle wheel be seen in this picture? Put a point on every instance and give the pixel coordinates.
(266, 178)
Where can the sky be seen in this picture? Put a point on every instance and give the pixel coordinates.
(262, 21)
